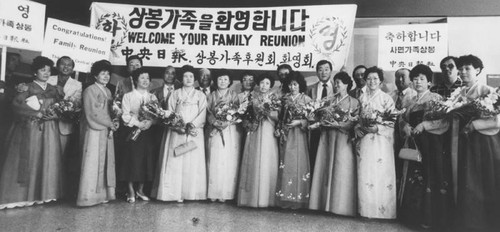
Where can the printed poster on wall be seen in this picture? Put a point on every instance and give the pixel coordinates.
(232, 38)
(405, 46)
(21, 24)
(84, 45)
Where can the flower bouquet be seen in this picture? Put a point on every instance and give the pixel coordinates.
(371, 117)
(463, 108)
(291, 111)
(66, 110)
(115, 111)
(148, 111)
(227, 113)
(312, 109)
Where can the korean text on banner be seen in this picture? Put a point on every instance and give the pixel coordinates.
(234, 38)
(21, 24)
(84, 45)
(405, 46)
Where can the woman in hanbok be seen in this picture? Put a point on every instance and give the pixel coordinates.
(181, 172)
(334, 185)
(98, 178)
(224, 142)
(137, 156)
(32, 168)
(427, 193)
(259, 166)
(376, 168)
(478, 195)
(294, 180)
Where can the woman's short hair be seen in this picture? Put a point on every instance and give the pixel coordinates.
(297, 77)
(222, 72)
(470, 60)
(185, 69)
(268, 76)
(40, 62)
(99, 66)
(421, 69)
(322, 62)
(345, 78)
(374, 69)
(136, 73)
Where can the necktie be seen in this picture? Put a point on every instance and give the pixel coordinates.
(205, 91)
(399, 101)
(324, 92)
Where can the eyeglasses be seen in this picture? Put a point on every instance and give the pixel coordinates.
(449, 66)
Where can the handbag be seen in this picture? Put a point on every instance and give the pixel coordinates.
(408, 153)
(184, 148)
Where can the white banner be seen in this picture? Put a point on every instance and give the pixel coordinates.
(232, 38)
(84, 45)
(21, 24)
(405, 46)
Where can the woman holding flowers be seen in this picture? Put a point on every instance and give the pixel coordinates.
(478, 199)
(97, 179)
(376, 171)
(426, 188)
(137, 156)
(181, 172)
(293, 174)
(32, 168)
(225, 139)
(259, 166)
(334, 180)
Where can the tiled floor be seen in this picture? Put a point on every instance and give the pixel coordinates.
(188, 216)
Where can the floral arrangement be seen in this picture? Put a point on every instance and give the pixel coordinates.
(115, 111)
(465, 109)
(291, 111)
(227, 113)
(66, 110)
(268, 103)
(255, 113)
(370, 117)
(312, 108)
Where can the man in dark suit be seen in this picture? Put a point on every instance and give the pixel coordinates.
(126, 85)
(169, 85)
(319, 91)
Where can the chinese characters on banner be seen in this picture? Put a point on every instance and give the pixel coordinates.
(21, 24)
(85, 45)
(405, 46)
(233, 38)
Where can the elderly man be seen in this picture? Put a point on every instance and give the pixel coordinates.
(169, 85)
(319, 91)
(205, 81)
(450, 79)
(404, 93)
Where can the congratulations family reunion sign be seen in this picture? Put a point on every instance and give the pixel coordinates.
(234, 38)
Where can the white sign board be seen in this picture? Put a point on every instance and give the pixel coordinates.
(83, 44)
(21, 24)
(259, 38)
(405, 46)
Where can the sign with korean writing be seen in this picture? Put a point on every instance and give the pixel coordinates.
(233, 38)
(405, 46)
(84, 45)
(21, 24)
